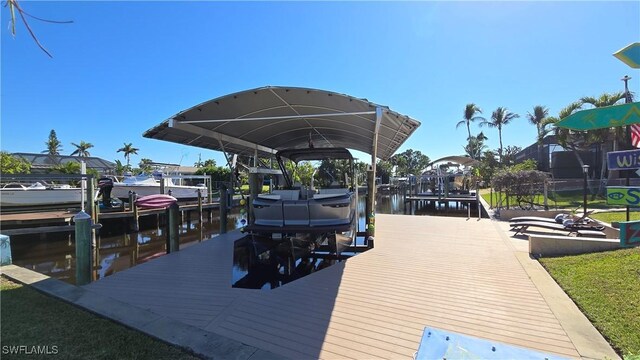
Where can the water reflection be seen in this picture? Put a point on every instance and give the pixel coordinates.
(264, 263)
(117, 249)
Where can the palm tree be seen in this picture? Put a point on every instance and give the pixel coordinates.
(539, 119)
(574, 141)
(82, 149)
(470, 112)
(128, 150)
(119, 168)
(608, 100)
(602, 136)
(476, 146)
(499, 118)
(145, 165)
(54, 146)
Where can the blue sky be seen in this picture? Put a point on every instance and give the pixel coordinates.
(123, 67)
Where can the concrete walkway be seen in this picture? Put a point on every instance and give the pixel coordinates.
(456, 274)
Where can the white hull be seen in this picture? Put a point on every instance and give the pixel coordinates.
(121, 191)
(39, 197)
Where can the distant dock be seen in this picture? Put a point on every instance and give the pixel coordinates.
(40, 222)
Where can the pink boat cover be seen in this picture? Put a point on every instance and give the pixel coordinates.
(157, 201)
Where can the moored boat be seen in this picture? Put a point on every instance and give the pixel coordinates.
(328, 212)
(150, 186)
(37, 194)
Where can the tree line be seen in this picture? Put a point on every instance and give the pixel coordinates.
(575, 141)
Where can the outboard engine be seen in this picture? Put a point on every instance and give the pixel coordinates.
(105, 185)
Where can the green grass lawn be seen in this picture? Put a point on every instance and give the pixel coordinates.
(611, 216)
(565, 200)
(606, 287)
(30, 318)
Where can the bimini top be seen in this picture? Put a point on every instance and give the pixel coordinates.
(274, 118)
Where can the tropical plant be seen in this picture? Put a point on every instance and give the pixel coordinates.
(539, 118)
(128, 150)
(120, 169)
(470, 116)
(82, 149)
(14, 7)
(10, 164)
(509, 156)
(487, 167)
(54, 146)
(217, 173)
(499, 118)
(145, 165)
(410, 162)
(524, 185)
(475, 146)
(384, 170)
(602, 136)
(69, 167)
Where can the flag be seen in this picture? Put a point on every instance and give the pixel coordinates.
(635, 135)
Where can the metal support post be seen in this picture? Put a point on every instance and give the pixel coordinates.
(199, 207)
(223, 209)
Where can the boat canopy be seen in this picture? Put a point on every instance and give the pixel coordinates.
(461, 160)
(265, 120)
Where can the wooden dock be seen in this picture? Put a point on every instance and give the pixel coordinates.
(451, 273)
(61, 220)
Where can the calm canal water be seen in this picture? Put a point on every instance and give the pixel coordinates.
(119, 249)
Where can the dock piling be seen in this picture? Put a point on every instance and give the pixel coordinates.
(135, 224)
(83, 248)
(173, 228)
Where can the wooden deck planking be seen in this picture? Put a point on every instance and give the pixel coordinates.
(450, 273)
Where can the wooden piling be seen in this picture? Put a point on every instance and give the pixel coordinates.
(162, 186)
(83, 248)
(370, 216)
(135, 224)
(173, 228)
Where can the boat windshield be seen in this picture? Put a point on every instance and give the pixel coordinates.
(317, 168)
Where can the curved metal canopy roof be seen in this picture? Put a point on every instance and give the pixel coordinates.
(462, 160)
(272, 118)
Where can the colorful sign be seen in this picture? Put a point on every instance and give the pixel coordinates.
(602, 117)
(630, 55)
(623, 195)
(629, 233)
(623, 160)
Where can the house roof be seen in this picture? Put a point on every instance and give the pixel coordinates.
(45, 161)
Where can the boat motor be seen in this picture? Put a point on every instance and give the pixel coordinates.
(105, 185)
